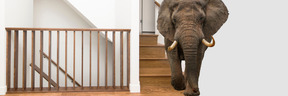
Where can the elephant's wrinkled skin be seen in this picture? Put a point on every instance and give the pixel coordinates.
(188, 22)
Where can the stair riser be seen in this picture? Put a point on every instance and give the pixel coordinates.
(155, 71)
(148, 40)
(152, 52)
(154, 64)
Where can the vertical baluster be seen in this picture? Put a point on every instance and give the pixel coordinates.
(114, 72)
(74, 62)
(8, 58)
(98, 56)
(128, 58)
(24, 59)
(49, 65)
(106, 58)
(66, 60)
(57, 59)
(16, 59)
(33, 59)
(121, 59)
(82, 59)
(90, 59)
(41, 60)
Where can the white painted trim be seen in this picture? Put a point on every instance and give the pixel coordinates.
(134, 41)
(134, 88)
(3, 87)
(3, 90)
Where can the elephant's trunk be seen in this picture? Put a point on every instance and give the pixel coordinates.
(190, 46)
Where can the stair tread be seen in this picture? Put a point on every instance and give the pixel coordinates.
(148, 35)
(158, 45)
(155, 75)
(153, 58)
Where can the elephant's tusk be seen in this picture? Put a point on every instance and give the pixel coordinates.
(174, 44)
(207, 43)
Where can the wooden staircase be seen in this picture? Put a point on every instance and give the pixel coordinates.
(153, 60)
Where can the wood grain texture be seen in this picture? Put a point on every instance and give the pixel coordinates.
(49, 62)
(45, 76)
(90, 57)
(98, 59)
(41, 60)
(24, 73)
(82, 60)
(61, 69)
(150, 86)
(121, 60)
(66, 59)
(65, 29)
(16, 43)
(33, 60)
(114, 61)
(8, 58)
(153, 51)
(106, 59)
(57, 59)
(148, 39)
(74, 60)
(128, 59)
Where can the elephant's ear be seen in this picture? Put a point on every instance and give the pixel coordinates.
(216, 16)
(164, 24)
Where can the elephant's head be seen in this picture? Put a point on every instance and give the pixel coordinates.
(191, 24)
(199, 19)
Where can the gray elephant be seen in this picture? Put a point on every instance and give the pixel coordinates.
(188, 26)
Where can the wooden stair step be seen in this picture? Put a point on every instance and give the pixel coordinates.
(155, 72)
(152, 51)
(154, 63)
(148, 39)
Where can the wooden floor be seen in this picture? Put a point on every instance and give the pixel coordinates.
(150, 86)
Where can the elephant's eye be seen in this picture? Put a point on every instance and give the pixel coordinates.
(174, 20)
(201, 19)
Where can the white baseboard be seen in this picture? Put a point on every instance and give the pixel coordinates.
(134, 88)
(3, 90)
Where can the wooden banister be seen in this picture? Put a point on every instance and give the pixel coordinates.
(37, 69)
(62, 70)
(66, 29)
(13, 37)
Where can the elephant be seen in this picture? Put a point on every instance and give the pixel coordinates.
(188, 26)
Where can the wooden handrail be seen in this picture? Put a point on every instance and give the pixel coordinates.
(66, 29)
(157, 3)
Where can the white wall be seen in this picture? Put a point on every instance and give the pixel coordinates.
(59, 16)
(19, 13)
(148, 15)
(122, 14)
(101, 14)
(3, 87)
(250, 56)
(160, 37)
(65, 17)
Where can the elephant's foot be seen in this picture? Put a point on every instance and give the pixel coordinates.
(178, 83)
(191, 91)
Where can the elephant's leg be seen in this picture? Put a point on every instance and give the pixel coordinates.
(177, 78)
